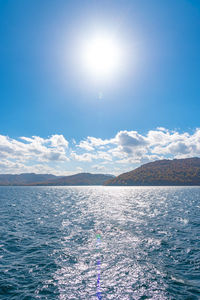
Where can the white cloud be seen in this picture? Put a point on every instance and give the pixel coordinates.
(58, 141)
(90, 156)
(133, 148)
(126, 150)
(19, 154)
(87, 157)
(91, 143)
(86, 146)
(99, 168)
(79, 169)
(130, 139)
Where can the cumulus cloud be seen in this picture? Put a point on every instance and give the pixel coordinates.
(87, 157)
(86, 146)
(124, 151)
(130, 139)
(133, 148)
(99, 168)
(58, 141)
(91, 156)
(92, 142)
(175, 144)
(19, 154)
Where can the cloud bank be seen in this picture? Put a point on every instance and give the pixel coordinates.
(123, 152)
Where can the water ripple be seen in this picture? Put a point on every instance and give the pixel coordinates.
(149, 249)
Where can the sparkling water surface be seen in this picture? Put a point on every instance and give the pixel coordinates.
(99, 243)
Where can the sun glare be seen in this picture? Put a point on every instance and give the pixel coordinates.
(101, 56)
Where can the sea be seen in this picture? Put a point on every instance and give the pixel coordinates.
(100, 243)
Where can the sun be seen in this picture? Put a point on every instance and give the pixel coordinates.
(101, 56)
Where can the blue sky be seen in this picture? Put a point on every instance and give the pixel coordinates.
(44, 94)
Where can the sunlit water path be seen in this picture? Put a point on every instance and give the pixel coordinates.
(99, 242)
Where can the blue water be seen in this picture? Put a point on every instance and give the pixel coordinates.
(99, 243)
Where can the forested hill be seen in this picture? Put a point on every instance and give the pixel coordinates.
(48, 179)
(78, 179)
(24, 179)
(162, 172)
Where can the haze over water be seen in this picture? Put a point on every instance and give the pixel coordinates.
(149, 248)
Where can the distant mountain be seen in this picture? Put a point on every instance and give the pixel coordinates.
(162, 172)
(48, 179)
(79, 179)
(24, 179)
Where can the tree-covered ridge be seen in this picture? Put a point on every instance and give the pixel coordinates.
(48, 179)
(162, 172)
